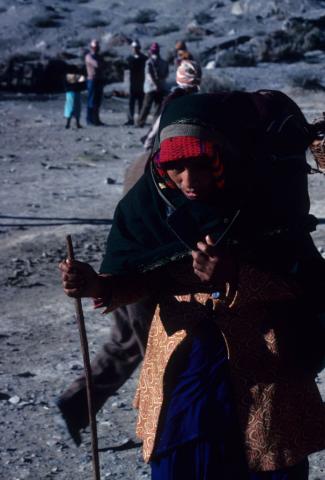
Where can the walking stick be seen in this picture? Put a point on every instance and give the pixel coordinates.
(86, 361)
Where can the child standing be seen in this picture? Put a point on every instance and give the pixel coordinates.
(74, 83)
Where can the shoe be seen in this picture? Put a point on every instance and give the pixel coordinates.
(129, 122)
(71, 421)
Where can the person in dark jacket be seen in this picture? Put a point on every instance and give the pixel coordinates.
(136, 63)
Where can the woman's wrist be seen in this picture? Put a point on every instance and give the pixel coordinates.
(102, 287)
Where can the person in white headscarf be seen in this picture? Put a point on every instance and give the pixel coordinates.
(188, 79)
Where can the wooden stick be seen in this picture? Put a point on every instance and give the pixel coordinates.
(88, 376)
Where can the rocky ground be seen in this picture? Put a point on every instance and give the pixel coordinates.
(55, 182)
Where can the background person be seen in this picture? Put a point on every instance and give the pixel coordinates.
(126, 343)
(155, 87)
(115, 362)
(181, 53)
(74, 84)
(95, 83)
(188, 80)
(136, 63)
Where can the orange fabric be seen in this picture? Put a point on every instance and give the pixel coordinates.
(280, 410)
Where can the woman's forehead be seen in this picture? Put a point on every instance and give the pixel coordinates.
(191, 162)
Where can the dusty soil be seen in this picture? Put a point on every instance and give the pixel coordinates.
(53, 182)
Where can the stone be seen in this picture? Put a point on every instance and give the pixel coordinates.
(14, 400)
(110, 181)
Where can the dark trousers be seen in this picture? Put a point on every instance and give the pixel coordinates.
(151, 98)
(94, 100)
(135, 98)
(113, 365)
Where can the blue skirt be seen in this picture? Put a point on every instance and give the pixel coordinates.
(200, 460)
(72, 107)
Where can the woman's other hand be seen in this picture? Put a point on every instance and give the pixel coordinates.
(212, 265)
(205, 260)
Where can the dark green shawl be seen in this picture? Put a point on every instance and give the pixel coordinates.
(270, 190)
(141, 237)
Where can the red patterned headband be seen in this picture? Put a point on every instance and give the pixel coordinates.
(175, 149)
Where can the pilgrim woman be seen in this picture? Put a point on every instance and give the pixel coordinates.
(218, 229)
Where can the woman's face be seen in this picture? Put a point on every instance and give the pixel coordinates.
(194, 178)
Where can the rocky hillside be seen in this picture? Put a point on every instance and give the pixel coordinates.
(40, 38)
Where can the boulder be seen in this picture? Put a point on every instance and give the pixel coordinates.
(235, 57)
(222, 43)
(280, 46)
(311, 18)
